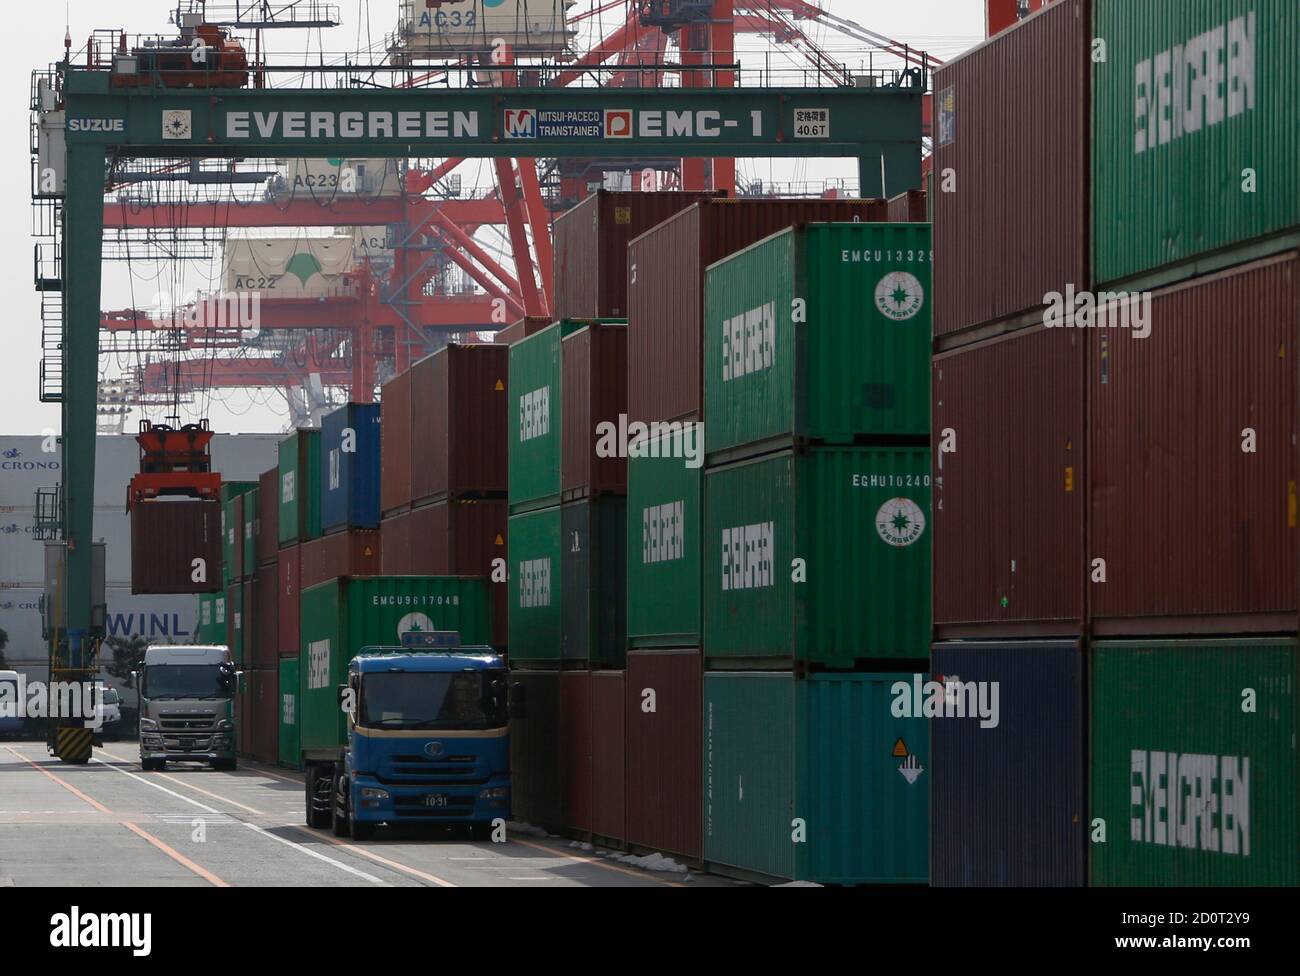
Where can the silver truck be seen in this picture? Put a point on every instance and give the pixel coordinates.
(187, 706)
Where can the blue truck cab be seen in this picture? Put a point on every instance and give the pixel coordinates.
(428, 742)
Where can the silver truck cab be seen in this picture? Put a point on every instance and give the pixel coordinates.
(187, 705)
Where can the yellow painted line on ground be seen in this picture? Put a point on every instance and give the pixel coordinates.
(176, 856)
(600, 863)
(378, 859)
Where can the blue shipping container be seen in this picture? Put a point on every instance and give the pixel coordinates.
(349, 471)
(1007, 800)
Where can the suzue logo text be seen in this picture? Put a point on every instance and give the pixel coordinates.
(96, 125)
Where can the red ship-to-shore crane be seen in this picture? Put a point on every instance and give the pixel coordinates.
(340, 341)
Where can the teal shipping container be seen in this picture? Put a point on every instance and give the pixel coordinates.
(820, 334)
(536, 591)
(289, 750)
(300, 486)
(536, 443)
(593, 567)
(820, 556)
(821, 779)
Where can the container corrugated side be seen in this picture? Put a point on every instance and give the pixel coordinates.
(664, 751)
(166, 539)
(232, 538)
(1003, 240)
(299, 517)
(396, 443)
(460, 398)
(609, 756)
(1193, 450)
(266, 618)
(268, 517)
(536, 590)
(1192, 111)
(575, 748)
(288, 586)
(593, 567)
(819, 334)
(820, 557)
(1195, 769)
(235, 619)
(289, 746)
(666, 290)
(520, 329)
(350, 467)
(262, 699)
(396, 545)
(907, 207)
(1007, 800)
(465, 537)
(665, 519)
(341, 616)
(249, 531)
(594, 385)
(535, 420)
(1010, 486)
(539, 795)
(356, 552)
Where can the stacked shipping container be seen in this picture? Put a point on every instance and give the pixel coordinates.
(1069, 410)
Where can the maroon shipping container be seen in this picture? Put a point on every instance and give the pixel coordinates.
(266, 618)
(395, 545)
(289, 577)
(1009, 499)
(594, 365)
(355, 552)
(268, 517)
(395, 443)
(907, 208)
(521, 329)
(166, 537)
(666, 291)
(608, 757)
(591, 248)
(462, 538)
(1011, 124)
(1198, 533)
(460, 424)
(539, 795)
(233, 527)
(262, 723)
(575, 747)
(663, 751)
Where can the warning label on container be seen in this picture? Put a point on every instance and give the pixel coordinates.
(900, 749)
(812, 123)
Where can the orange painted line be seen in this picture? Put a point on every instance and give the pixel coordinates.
(177, 856)
(67, 786)
(395, 865)
(600, 863)
(188, 785)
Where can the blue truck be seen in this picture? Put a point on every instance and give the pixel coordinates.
(427, 742)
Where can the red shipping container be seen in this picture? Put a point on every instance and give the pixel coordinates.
(1193, 444)
(664, 759)
(395, 443)
(521, 329)
(459, 401)
(575, 747)
(261, 727)
(1011, 170)
(908, 208)
(1008, 500)
(590, 242)
(289, 575)
(666, 291)
(463, 538)
(166, 537)
(608, 757)
(266, 618)
(594, 369)
(395, 545)
(268, 517)
(355, 552)
(233, 527)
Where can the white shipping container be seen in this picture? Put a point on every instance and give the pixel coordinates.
(323, 180)
(532, 26)
(292, 267)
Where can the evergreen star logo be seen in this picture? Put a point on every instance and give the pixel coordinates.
(302, 266)
(899, 295)
(413, 623)
(900, 522)
(177, 124)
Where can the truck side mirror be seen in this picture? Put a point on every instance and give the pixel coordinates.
(136, 683)
(518, 701)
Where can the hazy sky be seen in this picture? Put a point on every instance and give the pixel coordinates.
(942, 27)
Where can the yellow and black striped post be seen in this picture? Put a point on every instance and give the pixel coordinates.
(73, 744)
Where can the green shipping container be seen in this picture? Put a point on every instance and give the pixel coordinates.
(821, 333)
(290, 753)
(235, 629)
(250, 533)
(593, 584)
(341, 616)
(232, 528)
(300, 486)
(664, 519)
(816, 779)
(1195, 130)
(821, 556)
(536, 621)
(1194, 762)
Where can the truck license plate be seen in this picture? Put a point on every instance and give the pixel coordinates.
(436, 800)
(187, 743)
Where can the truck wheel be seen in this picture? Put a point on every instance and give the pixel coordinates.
(225, 765)
(339, 807)
(360, 830)
(315, 818)
(153, 765)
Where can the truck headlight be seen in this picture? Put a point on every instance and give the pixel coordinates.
(148, 725)
(225, 723)
(371, 793)
(493, 793)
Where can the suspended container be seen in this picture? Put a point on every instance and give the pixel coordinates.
(819, 334)
(823, 779)
(176, 546)
(819, 558)
(294, 267)
(350, 467)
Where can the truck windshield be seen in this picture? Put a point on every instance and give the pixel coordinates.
(437, 700)
(184, 681)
